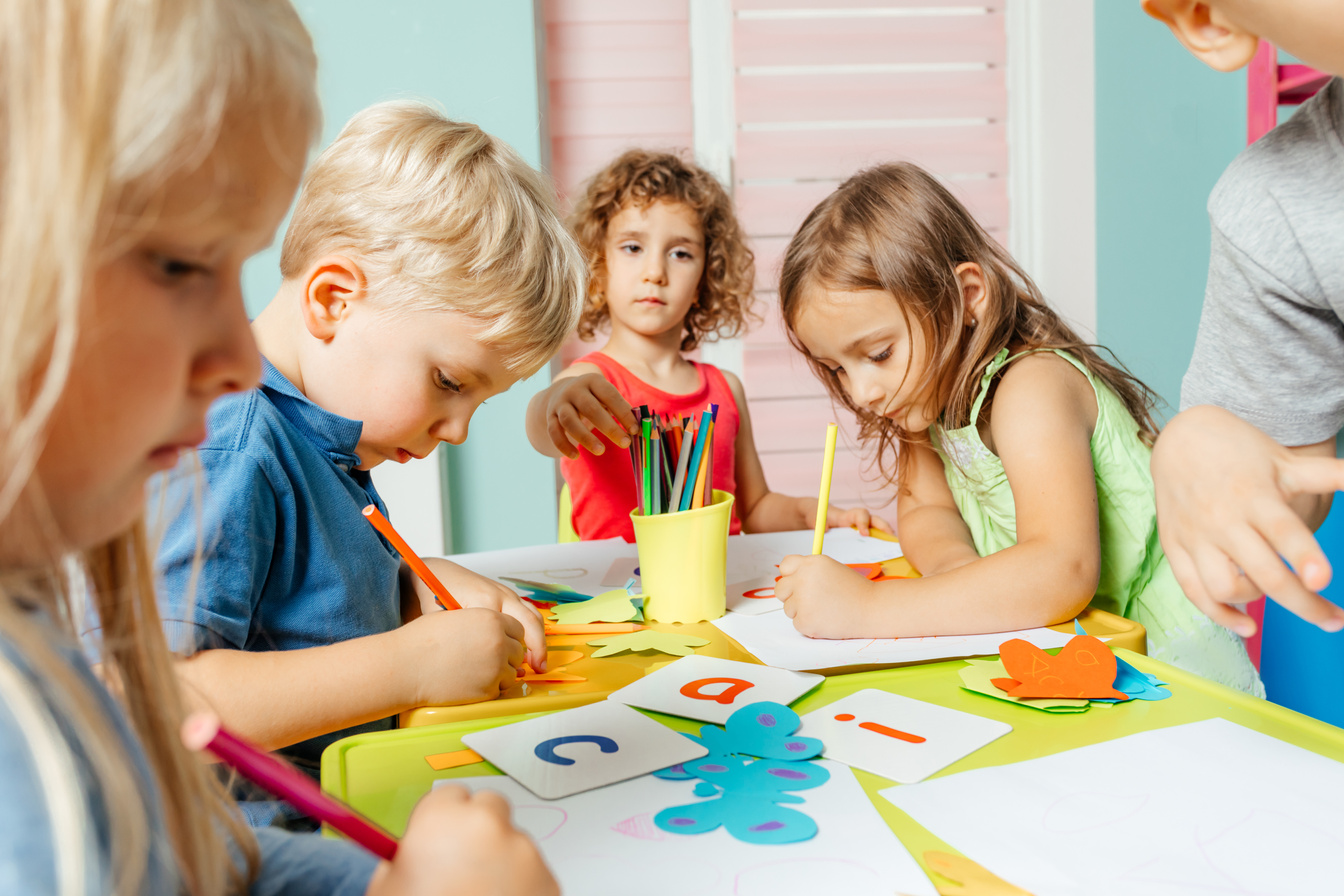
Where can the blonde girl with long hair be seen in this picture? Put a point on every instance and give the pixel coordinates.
(149, 147)
(1020, 452)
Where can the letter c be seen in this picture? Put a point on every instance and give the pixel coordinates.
(736, 686)
(546, 749)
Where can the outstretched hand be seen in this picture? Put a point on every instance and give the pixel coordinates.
(577, 405)
(1225, 495)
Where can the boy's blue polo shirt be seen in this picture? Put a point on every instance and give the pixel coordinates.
(288, 560)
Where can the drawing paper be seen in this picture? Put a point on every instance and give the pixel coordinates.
(773, 640)
(1203, 808)
(712, 689)
(578, 749)
(904, 739)
(604, 843)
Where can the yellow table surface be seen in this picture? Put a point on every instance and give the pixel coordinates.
(612, 673)
(383, 774)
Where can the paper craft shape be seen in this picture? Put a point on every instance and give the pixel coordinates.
(555, 661)
(749, 794)
(761, 729)
(453, 759)
(603, 843)
(976, 676)
(544, 593)
(615, 605)
(578, 749)
(967, 878)
(897, 737)
(1128, 680)
(1084, 667)
(636, 642)
(712, 689)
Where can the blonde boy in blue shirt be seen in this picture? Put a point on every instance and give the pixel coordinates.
(425, 270)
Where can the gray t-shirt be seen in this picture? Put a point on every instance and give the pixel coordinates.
(1271, 337)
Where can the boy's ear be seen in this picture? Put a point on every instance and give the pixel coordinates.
(1206, 32)
(333, 284)
(974, 293)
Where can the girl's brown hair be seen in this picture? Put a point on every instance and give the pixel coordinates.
(640, 177)
(895, 228)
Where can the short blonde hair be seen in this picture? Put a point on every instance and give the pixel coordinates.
(442, 215)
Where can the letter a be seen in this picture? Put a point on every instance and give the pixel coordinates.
(728, 695)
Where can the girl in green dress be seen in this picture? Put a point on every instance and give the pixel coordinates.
(1021, 455)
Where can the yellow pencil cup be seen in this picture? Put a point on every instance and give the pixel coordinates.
(683, 561)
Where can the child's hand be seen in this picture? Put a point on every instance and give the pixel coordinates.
(473, 590)
(463, 844)
(465, 656)
(577, 404)
(859, 517)
(825, 598)
(1225, 492)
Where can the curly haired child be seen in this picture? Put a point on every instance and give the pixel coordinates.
(669, 269)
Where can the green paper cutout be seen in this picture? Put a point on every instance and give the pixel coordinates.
(975, 676)
(609, 606)
(663, 642)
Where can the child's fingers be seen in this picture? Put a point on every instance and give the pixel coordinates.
(615, 404)
(578, 429)
(879, 523)
(560, 439)
(1266, 569)
(1290, 538)
(1302, 474)
(1217, 580)
(789, 565)
(593, 410)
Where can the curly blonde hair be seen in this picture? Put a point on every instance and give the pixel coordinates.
(640, 177)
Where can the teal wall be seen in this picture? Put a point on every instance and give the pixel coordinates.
(1166, 128)
(478, 61)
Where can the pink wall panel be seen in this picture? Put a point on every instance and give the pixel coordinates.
(838, 153)
(614, 11)
(869, 41)
(889, 95)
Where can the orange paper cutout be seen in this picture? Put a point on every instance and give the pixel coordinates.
(529, 675)
(867, 570)
(441, 761)
(1084, 668)
(1005, 684)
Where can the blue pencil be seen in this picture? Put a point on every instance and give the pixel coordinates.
(693, 468)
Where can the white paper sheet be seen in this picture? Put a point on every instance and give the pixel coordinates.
(591, 567)
(773, 640)
(604, 843)
(582, 565)
(1204, 808)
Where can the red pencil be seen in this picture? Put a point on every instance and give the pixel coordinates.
(203, 732)
(382, 525)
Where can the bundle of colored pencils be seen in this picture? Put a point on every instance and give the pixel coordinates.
(673, 460)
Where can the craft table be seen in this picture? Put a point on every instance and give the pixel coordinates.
(612, 673)
(383, 774)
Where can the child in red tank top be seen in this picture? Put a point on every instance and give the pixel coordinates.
(669, 268)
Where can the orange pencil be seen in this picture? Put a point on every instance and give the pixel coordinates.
(382, 525)
(702, 477)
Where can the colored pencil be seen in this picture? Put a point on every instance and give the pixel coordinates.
(693, 468)
(288, 783)
(647, 438)
(441, 594)
(706, 460)
(824, 498)
(683, 456)
(657, 472)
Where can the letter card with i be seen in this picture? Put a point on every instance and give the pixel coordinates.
(897, 737)
(712, 689)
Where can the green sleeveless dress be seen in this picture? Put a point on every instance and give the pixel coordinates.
(1136, 580)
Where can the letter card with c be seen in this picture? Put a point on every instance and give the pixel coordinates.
(712, 689)
(579, 749)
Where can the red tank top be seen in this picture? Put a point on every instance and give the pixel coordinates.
(602, 487)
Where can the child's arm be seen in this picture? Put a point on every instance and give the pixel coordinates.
(933, 535)
(473, 590)
(280, 697)
(1233, 504)
(561, 418)
(762, 510)
(1041, 428)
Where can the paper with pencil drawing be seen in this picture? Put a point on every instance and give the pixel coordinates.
(773, 640)
(1207, 807)
(604, 843)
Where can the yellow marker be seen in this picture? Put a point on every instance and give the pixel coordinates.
(824, 498)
